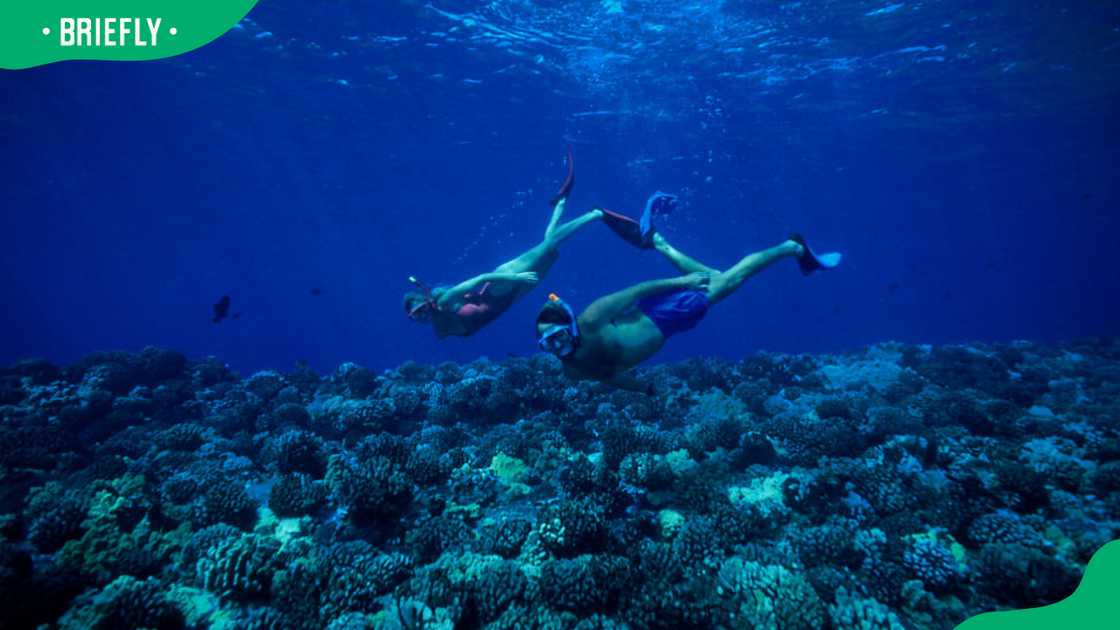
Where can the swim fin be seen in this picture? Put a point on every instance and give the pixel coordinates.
(569, 182)
(640, 233)
(810, 261)
(658, 203)
(628, 229)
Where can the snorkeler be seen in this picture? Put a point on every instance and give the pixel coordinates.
(465, 308)
(623, 329)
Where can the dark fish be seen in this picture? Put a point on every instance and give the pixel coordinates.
(221, 309)
(893, 286)
(316, 291)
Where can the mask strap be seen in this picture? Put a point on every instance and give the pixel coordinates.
(573, 328)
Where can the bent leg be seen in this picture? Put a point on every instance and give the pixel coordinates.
(541, 257)
(536, 259)
(724, 284)
(557, 212)
(684, 263)
(562, 232)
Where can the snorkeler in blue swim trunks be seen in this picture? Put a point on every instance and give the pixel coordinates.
(621, 330)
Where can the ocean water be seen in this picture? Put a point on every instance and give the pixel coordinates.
(962, 157)
(924, 434)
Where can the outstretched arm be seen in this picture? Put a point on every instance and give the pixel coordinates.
(610, 306)
(449, 296)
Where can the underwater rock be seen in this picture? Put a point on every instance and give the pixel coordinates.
(789, 491)
(126, 603)
(240, 567)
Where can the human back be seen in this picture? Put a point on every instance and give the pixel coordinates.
(614, 346)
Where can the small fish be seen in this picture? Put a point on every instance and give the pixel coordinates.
(221, 309)
(316, 291)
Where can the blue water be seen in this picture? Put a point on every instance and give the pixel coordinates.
(962, 155)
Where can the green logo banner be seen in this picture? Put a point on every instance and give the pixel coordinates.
(37, 32)
(1094, 605)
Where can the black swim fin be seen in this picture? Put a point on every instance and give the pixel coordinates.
(810, 261)
(569, 182)
(628, 229)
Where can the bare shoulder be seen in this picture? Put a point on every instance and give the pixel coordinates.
(587, 323)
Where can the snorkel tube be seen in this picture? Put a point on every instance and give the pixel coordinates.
(555, 299)
(428, 299)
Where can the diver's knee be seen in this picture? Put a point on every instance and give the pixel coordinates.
(719, 286)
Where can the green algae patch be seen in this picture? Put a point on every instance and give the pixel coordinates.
(1093, 605)
(287, 529)
(510, 471)
(670, 522)
(764, 493)
(680, 462)
(282, 529)
(470, 511)
(959, 553)
(199, 607)
(266, 521)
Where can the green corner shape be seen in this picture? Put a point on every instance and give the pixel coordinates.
(38, 32)
(1095, 603)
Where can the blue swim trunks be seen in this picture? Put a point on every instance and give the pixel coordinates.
(676, 311)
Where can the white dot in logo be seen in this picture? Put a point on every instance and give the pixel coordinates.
(174, 31)
(46, 30)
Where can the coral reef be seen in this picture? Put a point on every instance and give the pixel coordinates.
(898, 487)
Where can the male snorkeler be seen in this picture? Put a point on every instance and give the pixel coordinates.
(466, 307)
(623, 329)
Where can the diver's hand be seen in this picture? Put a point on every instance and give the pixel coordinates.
(528, 277)
(698, 281)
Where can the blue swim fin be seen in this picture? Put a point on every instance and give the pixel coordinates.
(658, 203)
(810, 261)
